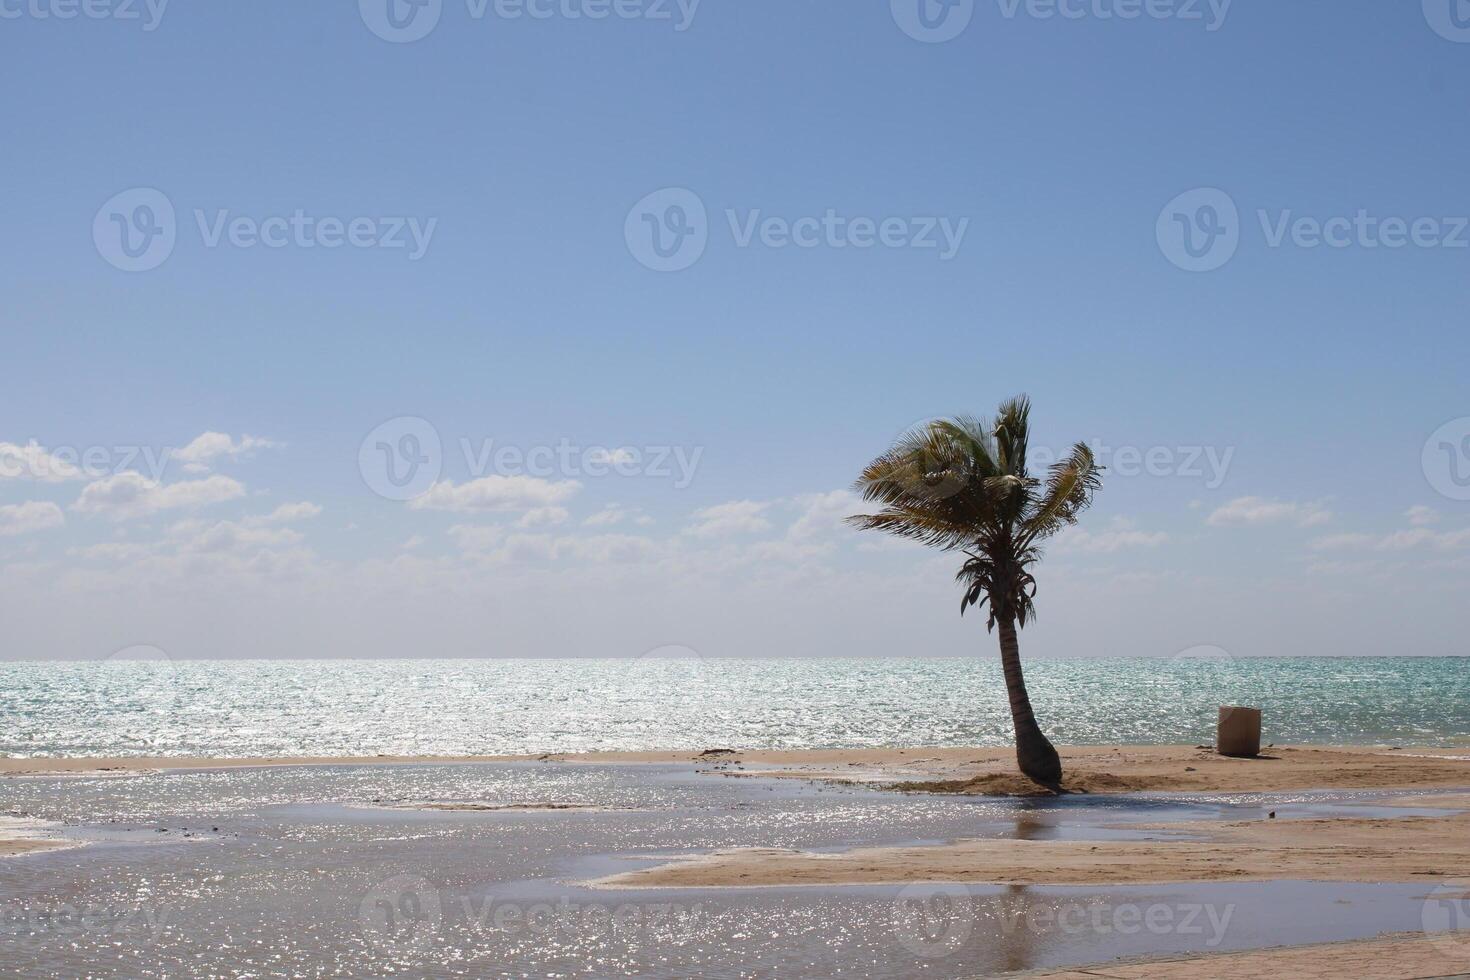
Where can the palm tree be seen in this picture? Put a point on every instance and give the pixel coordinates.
(962, 485)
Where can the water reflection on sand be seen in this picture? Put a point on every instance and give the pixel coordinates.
(322, 871)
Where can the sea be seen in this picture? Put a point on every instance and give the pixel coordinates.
(250, 708)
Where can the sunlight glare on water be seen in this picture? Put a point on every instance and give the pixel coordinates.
(481, 707)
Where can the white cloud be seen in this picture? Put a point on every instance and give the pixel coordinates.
(1120, 535)
(33, 462)
(616, 514)
(209, 446)
(477, 537)
(114, 551)
(416, 541)
(1405, 540)
(527, 549)
(612, 457)
(614, 549)
(789, 550)
(1421, 516)
(735, 517)
(491, 543)
(1358, 569)
(1333, 542)
(495, 493)
(543, 517)
(286, 513)
(823, 514)
(202, 538)
(31, 516)
(128, 495)
(1247, 511)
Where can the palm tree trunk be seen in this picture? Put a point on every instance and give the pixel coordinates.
(1034, 754)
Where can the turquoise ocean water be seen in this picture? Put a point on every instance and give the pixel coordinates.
(434, 707)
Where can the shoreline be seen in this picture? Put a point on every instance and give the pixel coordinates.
(1343, 849)
(1432, 852)
(1409, 848)
(22, 835)
(1090, 769)
(1398, 955)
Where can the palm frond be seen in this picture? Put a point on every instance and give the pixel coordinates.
(1070, 487)
(1013, 434)
(962, 483)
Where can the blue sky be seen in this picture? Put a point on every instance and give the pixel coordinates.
(521, 148)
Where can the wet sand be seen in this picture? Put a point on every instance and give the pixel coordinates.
(1340, 849)
(1396, 850)
(452, 834)
(1389, 958)
(1325, 850)
(20, 836)
(1090, 769)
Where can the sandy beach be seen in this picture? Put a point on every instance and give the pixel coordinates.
(979, 771)
(1388, 958)
(22, 836)
(1427, 848)
(1406, 849)
(1334, 849)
